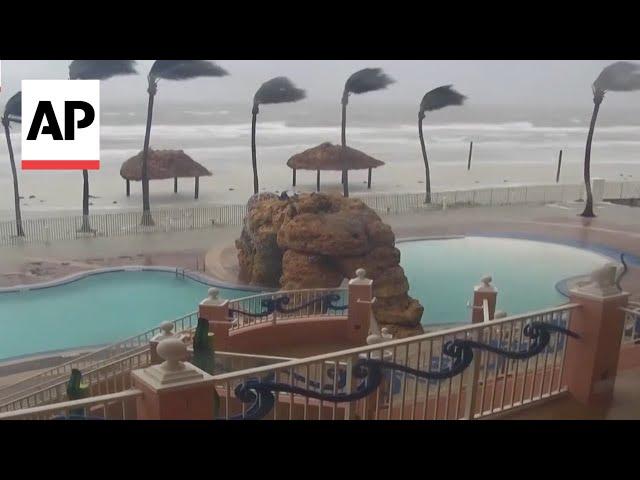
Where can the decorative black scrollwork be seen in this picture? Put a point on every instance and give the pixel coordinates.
(260, 393)
(271, 305)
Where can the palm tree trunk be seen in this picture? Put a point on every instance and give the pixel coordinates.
(254, 116)
(345, 171)
(147, 219)
(86, 226)
(427, 176)
(16, 193)
(588, 208)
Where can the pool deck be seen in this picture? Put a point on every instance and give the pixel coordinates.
(616, 227)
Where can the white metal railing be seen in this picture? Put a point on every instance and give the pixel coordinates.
(114, 406)
(49, 385)
(491, 385)
(192, 218)
(104, 355)
(233, 362)
(115, 377)
(117, 224)
(631, 331)
(108, 378)
(315, 300)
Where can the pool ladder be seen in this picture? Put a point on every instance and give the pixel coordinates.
(180, 272)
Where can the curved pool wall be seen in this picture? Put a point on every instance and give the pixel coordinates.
(196, 276)
(99, 307)
(443, 271)
(58, 322)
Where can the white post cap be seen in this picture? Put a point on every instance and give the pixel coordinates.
(213, 297)
(485, 285)
(167, 332)
(361, 278)
(173, 370)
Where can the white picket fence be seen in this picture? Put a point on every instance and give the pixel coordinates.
(208, 216)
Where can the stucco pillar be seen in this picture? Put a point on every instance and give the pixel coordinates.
(216, 311)
(591, 361)
(360, 307)
(174, 390)
(484, 291)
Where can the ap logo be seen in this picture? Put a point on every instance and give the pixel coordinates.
(60, 124)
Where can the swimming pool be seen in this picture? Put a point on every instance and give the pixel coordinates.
(97, 309)
(102, 308)
(442, 273)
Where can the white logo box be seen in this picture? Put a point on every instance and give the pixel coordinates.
(46, 153)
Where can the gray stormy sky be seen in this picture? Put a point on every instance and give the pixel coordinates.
(541, 83)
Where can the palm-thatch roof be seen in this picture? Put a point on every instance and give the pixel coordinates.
(163, 164)
(326, 156)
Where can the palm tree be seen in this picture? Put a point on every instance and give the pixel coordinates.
(169, 70)
(435, 99)
(96, 70)
(363, 81)
(617, 77)
(13, 113)
(276, 90)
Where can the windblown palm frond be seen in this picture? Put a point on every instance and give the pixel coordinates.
(185, 69)
(278, 90)
(100, 69)
(367, 80)
(441, 97)
(619, 77)
(13, 109)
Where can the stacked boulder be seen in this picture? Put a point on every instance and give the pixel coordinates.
(316, 241)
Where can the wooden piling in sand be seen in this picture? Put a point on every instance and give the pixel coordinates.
(559, 166)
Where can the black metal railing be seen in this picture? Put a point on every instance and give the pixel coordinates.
(260, 394)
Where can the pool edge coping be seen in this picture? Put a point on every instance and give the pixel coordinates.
(74, 277)
(604, 251)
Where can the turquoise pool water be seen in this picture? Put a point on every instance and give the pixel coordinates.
(108, 307)
(95, 310)
(442, 273)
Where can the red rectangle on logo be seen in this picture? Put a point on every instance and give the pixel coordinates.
(60, 164)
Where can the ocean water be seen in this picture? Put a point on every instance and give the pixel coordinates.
(511, 145)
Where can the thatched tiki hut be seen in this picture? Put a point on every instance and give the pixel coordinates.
(327, 157)
(163, 164)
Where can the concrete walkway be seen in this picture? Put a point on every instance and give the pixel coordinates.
(616, 228)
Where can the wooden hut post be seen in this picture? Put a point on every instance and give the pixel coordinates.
(318, 181)
(197, 187)
(128, 187)
(369, 178)
(175, 184)
(294, 177)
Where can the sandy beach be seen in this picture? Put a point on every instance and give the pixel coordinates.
(515, 146)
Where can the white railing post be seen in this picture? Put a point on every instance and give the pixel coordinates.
(471, 386)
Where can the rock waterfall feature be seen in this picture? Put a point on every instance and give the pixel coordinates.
(316, 241)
